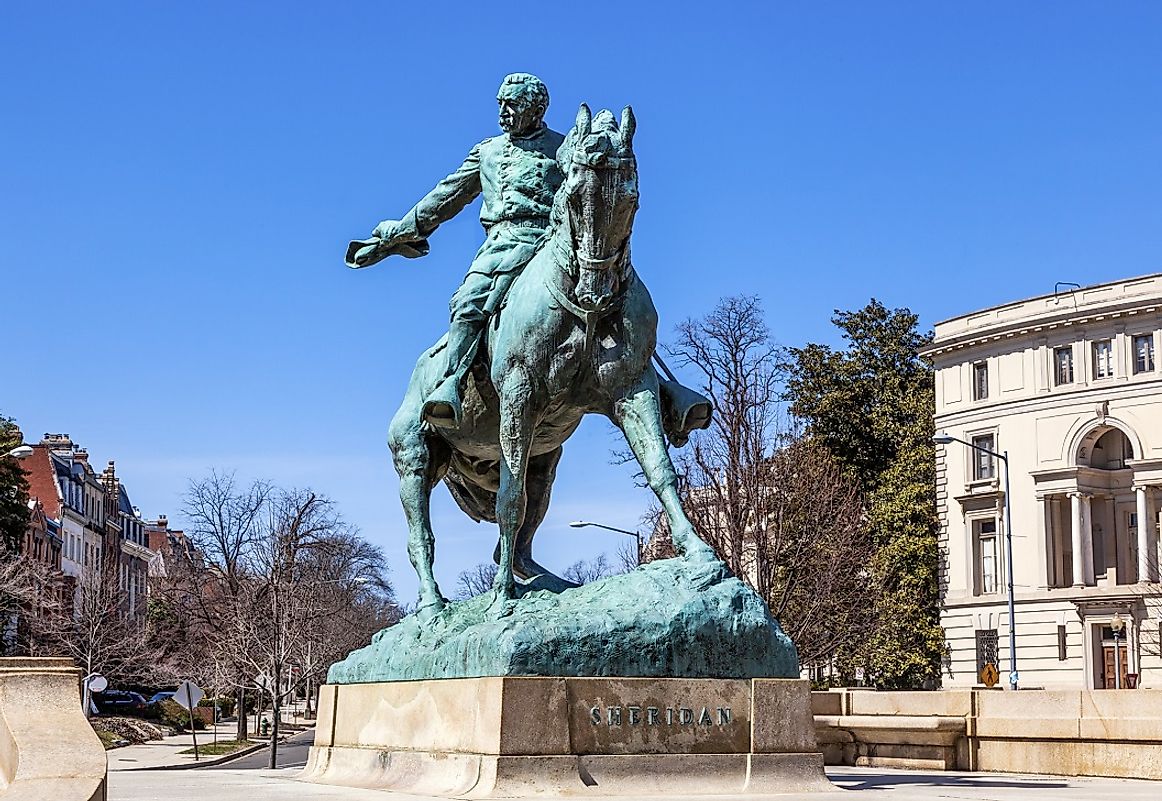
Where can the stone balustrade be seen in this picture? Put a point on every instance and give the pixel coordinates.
(48, 751)
(1065, 732)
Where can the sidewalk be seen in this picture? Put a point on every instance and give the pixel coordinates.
(854, 784)
(167, 751)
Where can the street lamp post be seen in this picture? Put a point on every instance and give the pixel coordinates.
(944, 438)
(636, 537)
(1118, 624)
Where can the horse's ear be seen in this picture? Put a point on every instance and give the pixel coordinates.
(584, 120)
(627, 127)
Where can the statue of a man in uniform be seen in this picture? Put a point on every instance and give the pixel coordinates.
(518, 175)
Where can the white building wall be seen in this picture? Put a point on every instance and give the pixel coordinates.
(1048, 431)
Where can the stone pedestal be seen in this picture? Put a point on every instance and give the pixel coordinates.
(518, 737)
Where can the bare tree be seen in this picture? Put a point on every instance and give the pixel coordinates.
(95, 629)
(476, 580)
(281, 587)
(775, 506)
(585, 571)
(210, 590)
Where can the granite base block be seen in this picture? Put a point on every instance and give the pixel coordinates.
(524, 737)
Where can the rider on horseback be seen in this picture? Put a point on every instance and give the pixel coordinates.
(518, 176)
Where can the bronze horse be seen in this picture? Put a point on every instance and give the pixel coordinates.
(575, 336)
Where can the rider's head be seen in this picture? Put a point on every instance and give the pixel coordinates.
(523, 100)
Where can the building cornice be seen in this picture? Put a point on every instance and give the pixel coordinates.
(1036, 316)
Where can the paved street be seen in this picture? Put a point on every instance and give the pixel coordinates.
(292, 753)
(872, 784)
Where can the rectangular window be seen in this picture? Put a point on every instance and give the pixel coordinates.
(1061, 654)
(987, 571)
(1103, 359)
(1063, 365)
(987, 648)
(1144, 354)
(980, 381)
(983, 464)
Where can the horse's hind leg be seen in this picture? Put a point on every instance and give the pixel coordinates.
(638, 414)
(538, 487)
(420, 460)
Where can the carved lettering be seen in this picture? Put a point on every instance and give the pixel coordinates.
(635, 715)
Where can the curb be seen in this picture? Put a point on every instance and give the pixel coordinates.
(205, 763)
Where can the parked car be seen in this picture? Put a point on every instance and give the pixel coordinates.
(119, 702)
(164, 695)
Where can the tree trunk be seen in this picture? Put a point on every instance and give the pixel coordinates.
(276, 714)
(243, 720)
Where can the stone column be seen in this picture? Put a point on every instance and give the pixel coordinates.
(1144, 570)
(1075, 530)
(1087, 541)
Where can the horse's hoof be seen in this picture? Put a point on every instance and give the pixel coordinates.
(502, 606)
(428, 610)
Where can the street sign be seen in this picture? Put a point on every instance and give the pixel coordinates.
(989, 675)
(188, 694)
(98, 683)
(263, 682)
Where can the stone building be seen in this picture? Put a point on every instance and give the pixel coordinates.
(100, 532)
(1069, 386)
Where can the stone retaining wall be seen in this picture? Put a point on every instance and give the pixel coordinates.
(1066, 732)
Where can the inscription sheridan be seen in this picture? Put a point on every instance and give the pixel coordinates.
(658, 716)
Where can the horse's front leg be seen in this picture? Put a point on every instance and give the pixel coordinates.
(420, 461)
(516, 434)
(638, 413)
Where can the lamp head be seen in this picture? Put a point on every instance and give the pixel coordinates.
(21, 452)
(942, 438)
(1118, 623)
(578, 524)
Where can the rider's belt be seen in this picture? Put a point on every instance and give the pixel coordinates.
(524, 222)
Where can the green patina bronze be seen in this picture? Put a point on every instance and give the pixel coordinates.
(670, 618)
(551, 323)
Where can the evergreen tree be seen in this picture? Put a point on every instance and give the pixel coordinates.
(871, 404)
(13, 492)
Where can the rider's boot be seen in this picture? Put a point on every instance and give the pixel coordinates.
(442, 408)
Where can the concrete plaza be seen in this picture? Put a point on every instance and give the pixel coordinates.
(853, 783)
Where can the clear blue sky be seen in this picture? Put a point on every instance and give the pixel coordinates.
(179, 182)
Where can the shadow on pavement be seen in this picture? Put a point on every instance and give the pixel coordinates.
(886, 781)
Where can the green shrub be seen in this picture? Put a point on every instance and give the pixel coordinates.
(172, 714)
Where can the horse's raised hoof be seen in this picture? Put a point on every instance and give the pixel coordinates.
(547, 581)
